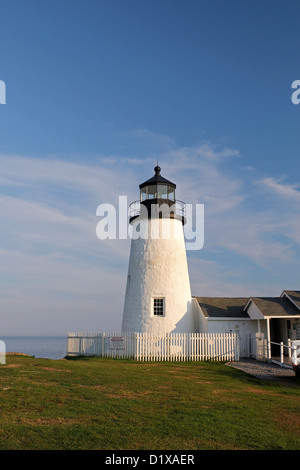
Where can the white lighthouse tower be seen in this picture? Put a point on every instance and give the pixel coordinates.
(158, 294)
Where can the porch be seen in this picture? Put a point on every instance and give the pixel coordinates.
(285, 355)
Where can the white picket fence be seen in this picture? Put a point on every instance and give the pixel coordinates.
(145, 347)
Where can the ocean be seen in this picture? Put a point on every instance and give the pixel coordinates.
(48, 347)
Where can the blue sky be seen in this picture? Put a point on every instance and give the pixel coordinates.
(96, 92)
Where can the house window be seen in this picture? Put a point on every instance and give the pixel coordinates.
(158, 307)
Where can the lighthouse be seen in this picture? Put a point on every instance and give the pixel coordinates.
(158, 294)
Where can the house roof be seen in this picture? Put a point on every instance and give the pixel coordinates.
(216, 307)
(236, 307)
(275, 306)
(294, 295)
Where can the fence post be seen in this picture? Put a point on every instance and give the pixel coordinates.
(237, 347)
(289, 347)
(269, 357)
(169, 348)
(281, 354)
(102, 344)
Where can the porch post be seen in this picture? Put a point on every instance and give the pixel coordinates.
(258, 326)
(268, 341)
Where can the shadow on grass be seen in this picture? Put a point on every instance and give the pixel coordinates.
(79, 358)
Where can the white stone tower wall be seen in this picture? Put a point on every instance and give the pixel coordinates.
(158, 268)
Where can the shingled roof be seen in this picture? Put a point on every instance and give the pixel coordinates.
(216, 307)
(235, 307)
(275, 306)
(294, 295)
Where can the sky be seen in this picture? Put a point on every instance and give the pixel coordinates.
(98, 91)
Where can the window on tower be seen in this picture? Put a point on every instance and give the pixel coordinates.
(159, 307)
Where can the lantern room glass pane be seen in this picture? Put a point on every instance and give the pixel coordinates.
(152, 192)
(143, 194)
(171, 193)
(162, 191)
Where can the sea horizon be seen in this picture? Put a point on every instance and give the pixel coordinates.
(39, 346)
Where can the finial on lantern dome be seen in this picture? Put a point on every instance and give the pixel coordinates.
(157, 170)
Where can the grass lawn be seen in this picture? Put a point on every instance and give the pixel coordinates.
(95, 403)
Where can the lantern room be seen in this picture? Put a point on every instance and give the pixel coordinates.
(156, 193)
(158, 188)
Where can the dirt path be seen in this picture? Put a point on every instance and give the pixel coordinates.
(264, 370)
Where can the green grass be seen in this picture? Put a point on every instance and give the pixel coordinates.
(94, 403)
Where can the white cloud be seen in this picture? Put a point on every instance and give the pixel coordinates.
(289, 191)
(207, 151)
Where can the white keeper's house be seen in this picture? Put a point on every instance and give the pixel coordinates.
(158, 297)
